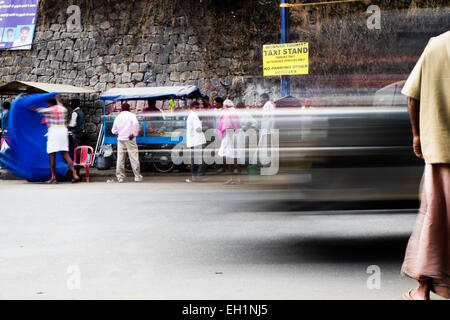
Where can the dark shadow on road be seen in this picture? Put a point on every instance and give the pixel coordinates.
(319, 250)
(297, 205)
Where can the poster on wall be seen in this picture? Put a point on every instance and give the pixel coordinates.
(17, 23)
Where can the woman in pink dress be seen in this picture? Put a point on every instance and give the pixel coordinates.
(229, 126)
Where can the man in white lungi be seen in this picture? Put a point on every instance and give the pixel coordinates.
(126, 126)
(57, 136)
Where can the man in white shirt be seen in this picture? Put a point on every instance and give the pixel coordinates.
(267, 119)
(23, 43)
(126, 126)
(195, 139)
(267, 124)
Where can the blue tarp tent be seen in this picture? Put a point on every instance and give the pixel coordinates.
(27, 156)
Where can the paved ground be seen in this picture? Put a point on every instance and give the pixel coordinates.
(163, 239)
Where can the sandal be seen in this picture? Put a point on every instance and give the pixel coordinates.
(76, 180)
(51, 181)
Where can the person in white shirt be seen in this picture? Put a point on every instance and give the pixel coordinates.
(126, 126)
(243, 141)
(195, 139)
(267, 125)
(267, 119)
(23, 43)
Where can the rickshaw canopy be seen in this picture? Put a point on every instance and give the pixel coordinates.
(162, 93)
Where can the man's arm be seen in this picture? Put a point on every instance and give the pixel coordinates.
(114, 129)
(136, 128)
(41, 110)
(198, 125)
(414, 112)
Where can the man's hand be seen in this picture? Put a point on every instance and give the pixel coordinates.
(131, 137)
(417, 147)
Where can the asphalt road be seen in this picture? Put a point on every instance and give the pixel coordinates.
(169, 240)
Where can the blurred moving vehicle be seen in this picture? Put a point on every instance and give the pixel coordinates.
(325, 154)
(351, 153)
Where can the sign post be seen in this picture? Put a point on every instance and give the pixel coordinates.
(285, 80)
(286, 59)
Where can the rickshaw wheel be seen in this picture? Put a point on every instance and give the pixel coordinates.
(163, 164)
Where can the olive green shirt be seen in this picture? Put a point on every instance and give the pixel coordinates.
(429, 82)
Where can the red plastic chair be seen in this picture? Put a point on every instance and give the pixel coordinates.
(83, 156)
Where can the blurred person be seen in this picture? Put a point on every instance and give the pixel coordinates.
(195, 140)
(218, 105)
(267, 119)
(267, 125)
(246, 119)
(205, 102)
(126, 127)
(154, 124)
(77, 125)
(57, 136)
(151, 107)
(427, 257)
(247, 123)
(229, 125)
(4, 119)
(4, 143)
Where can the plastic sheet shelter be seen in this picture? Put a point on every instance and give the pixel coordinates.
(27, 157)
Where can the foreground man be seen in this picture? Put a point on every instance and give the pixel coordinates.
(126, 126)
(57, 136)
(427, 258)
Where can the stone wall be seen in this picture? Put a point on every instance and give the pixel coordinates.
(216, 47)
(118, 46)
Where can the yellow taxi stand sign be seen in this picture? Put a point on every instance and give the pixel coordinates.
(285, 59)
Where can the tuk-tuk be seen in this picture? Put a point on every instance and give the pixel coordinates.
(158, 125)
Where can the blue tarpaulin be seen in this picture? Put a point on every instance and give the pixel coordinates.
(27, 156)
